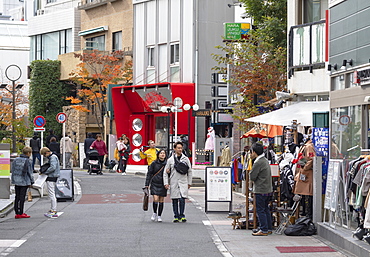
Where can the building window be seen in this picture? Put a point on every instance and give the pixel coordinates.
(151, 56)
(117, 41)
(175, 53)
(50, 45)
(97, 43)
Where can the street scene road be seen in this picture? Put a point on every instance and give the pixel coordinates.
(106, 220)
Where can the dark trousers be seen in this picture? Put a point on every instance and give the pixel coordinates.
(176, 203)
(101, 161)
(263, 212)
(34, 157)
(122, 164)
(20, 196)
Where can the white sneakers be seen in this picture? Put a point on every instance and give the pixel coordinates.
(124, 174)
(154, 217)
(159, 219)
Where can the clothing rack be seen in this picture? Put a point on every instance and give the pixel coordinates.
(238, 153)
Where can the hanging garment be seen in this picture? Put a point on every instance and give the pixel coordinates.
(225, 157)
(304, 172)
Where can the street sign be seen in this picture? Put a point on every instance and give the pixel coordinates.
(39, 121)
(61, 117)
(38, 129)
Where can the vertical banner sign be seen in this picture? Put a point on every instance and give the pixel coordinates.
(218, 185)
(320, 141)
(5, 163)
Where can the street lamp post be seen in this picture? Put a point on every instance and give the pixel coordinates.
(188, 107)
(167, 109)
(13, 73)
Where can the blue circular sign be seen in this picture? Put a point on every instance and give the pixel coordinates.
(39, 121)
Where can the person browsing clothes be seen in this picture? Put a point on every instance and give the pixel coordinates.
(151, 154)
(178, 181)
(154, 179)
(262, 189)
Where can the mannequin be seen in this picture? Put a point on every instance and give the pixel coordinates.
(210, 141)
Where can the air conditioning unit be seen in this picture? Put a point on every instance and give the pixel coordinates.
(40, 12)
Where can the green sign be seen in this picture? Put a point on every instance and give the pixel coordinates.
(236, 31)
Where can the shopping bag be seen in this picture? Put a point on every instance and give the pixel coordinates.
(40, 181)
(29, 195)
(145, 198)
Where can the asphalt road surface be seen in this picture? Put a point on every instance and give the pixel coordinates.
(106, 220)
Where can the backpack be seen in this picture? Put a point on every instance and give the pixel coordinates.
(303, 227)
(181, 167)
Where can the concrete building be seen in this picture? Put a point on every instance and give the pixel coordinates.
(173, 42)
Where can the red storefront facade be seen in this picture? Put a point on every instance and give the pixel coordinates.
(137, 113)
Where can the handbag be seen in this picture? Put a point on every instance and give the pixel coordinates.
(145, 198)
(181, 167)
(44, 167)
(29, 195)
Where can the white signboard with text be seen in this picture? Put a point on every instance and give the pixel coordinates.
(218, 184)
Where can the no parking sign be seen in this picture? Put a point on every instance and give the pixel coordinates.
(61, 117)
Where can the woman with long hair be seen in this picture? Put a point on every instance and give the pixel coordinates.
(154, 179)
(124, 155)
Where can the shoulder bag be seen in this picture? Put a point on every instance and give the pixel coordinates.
(181, 167)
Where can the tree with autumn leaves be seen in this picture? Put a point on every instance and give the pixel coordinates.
(94, 73)
(257, 65)
(22, 130)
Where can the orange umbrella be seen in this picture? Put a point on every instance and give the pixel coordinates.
(273, 130)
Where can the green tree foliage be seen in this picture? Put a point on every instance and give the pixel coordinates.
(270, 18)
(47, 94)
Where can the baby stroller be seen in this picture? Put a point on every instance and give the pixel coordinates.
(93, 162)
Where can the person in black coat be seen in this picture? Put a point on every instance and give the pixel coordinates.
(54, 147)
(35, 144)
(154, 177)
(88, 142)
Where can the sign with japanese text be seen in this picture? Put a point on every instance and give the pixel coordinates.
(236, 31)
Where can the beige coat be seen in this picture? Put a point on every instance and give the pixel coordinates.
(305, 187)
(178, 182)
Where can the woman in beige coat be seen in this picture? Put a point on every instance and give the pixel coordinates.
(177, 183)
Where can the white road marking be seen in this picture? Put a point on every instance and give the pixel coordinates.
(11, 243)
(206, 222)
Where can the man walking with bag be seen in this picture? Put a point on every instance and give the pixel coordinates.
(178, 178)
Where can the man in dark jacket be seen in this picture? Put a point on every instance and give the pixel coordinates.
(88, 141)
(35, 144)
(262, 189)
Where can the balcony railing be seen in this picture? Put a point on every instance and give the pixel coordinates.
(307, 46)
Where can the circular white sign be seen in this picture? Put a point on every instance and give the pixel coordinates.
(178, 102)
(61, 117)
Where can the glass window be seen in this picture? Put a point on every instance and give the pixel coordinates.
(175, 53)
(33, 48)
(175, 74)
(338, 83)
(50, 46)
(62, 42)
(151, 57)
(96, 43)
(312, 11)
(117, 41)
(346, 132)
(161, 129)
(38, 47)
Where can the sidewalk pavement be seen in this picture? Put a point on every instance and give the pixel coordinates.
(233, 242)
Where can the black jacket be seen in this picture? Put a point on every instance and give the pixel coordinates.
(88, 142)
(47, 143)
(35, 144)
(55, 148)
(156, 185)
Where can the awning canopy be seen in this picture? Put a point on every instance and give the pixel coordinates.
(94, 30)
(272, 131)
(302, 112)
